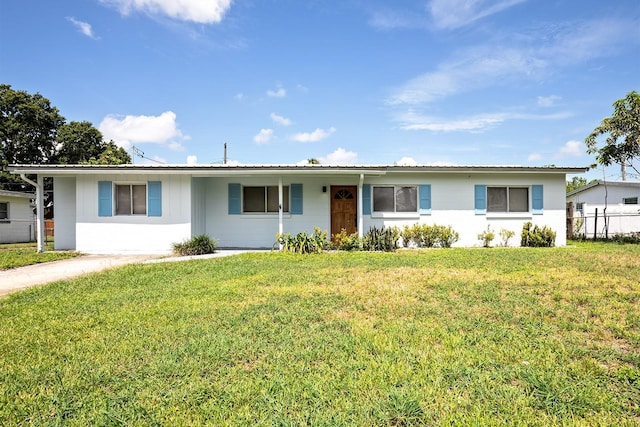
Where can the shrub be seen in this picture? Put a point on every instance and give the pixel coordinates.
(486, 237)
(429, 236)
(537, 237)
(347, 242)
(505, 235)
(447, 236)
(381, 239)
(197, 245)
(303, 243)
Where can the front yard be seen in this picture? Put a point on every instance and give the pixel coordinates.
(430, 337)
(20, 254)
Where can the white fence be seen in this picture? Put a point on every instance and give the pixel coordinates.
(600, 221)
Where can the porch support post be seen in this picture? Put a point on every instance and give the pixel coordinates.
(359, 208)
(280, 208)
(39, 209)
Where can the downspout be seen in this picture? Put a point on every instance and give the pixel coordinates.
(359, 208)
(280, 208)
(39, 209)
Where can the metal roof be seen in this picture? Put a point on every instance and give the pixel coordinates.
(590, 185)
(220, 169)
(7, 193)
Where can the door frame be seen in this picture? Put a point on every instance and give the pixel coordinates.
(332, 190)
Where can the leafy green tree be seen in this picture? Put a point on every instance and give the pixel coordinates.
(575, 183)
(622, 143)
(111, 155)
(28, 129)
(78, 142)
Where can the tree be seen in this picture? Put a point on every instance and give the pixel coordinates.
(622, 143)
(28, 128)
(111, 155)
(32, 131)
(78, 142)
(313, 161)
(575, 183)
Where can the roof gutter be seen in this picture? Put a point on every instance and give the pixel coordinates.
(39, 209)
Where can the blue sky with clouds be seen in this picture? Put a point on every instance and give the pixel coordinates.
(439, 82)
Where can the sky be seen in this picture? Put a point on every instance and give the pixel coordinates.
(410, 82)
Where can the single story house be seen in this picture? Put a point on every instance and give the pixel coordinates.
(605, 208)
(146, 208)
(17, 221)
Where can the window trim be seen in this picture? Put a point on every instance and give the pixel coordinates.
(395, 212)
(286, 209)
(508, 192)
(131, 197)
(6, 219)
(630, 201)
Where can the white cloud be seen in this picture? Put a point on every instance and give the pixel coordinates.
(240, 96)
(520, 59)
(84, 27)
(534, 157)
(410, 120)
(340, 157)
(548, 101)
(192, 160)
(278, 93)
(128, 130)
(198, 11)
(315, 136)
(387, 19)
(413, 121)
(175, 146)
(406, 161)
(281, 120)
(572, 148)
(469, 70)
(264, 136)
(450, 14)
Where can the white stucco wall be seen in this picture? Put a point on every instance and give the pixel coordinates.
(21, 224)
(452, 198)
(615, 193)
(136, 233)
(64, 213)
(452, 202)
(259, 230)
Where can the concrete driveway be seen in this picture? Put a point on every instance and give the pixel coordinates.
(16, 279)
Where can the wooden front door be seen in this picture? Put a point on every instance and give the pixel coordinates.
(344, 209)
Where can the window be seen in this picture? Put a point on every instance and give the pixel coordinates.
(4, 211)
(395, 199)
(626, 201)
(507, 199)
(131, 199)
(580, 207)
(264, 199)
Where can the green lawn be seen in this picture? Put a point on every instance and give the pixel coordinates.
(21, 254)
(435, 337)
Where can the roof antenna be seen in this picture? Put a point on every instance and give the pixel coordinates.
(224, 161)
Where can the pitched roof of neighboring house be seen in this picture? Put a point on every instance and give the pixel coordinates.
(627, 184)
(220, 169)
(7, 193)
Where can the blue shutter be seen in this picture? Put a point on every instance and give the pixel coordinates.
(537, 199)
(154, 198)
(235, 199)
(105, 198)
(425, 199)
(366, 199)
(295, 192)
(481, 199)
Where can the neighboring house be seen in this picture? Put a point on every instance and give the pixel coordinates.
(146, 208)
(17, 221)
(619, 200)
